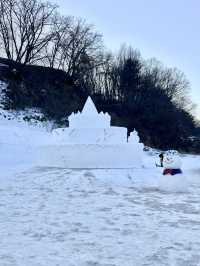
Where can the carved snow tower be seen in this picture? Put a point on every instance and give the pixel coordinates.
(91, 142)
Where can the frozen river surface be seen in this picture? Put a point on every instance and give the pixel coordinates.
(60, 217)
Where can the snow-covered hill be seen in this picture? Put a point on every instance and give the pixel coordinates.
(20, 133)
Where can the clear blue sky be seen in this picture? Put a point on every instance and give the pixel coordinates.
(166, 29)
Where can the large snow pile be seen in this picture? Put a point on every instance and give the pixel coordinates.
(19, 140)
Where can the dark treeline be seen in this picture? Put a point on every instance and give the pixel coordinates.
(55, 62)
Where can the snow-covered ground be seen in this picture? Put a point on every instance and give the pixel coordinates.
(97, 217)
(56, 217)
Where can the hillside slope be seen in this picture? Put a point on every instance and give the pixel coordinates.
(55, 95)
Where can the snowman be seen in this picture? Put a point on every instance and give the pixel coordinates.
(172, 163)
(176, 181)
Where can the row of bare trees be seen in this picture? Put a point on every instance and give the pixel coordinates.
(24, 29)
(32, 32)
(120, 76)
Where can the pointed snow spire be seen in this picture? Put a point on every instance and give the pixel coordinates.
(89, 107)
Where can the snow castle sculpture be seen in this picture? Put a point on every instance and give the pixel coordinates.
(89, 117)
(91, 142)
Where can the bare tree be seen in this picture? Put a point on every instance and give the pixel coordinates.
(171, 80)
(24, 29)
(73, 42)
(60, 29)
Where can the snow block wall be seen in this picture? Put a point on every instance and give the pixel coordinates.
(112, 135)
(90, 156)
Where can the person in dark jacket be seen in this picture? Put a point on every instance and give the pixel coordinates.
(161, 155)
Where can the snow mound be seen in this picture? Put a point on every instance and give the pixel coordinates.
(150, 178)
(176, 183)
(18, 141)
(139, 179)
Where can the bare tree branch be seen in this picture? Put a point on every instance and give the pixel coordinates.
(24, 28)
